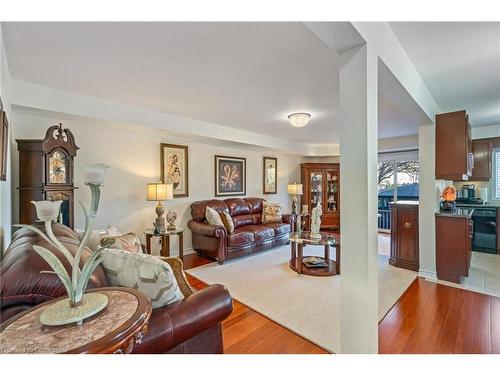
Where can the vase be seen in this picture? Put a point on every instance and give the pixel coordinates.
(65, 312)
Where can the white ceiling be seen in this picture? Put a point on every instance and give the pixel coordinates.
(459, 63)
(242, 75)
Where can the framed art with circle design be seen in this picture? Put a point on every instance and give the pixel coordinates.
(230, 176)
(174, 168)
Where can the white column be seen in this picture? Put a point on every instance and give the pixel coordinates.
(358, 88)
(428, 201)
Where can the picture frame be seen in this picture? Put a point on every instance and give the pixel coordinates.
(230, 176)
(269, 175)
(4, 137)
(174, 168)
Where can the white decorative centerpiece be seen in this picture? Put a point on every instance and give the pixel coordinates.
(316, 213)
(77, 306)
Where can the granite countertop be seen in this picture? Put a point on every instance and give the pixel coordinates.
(460, 212)
(487, 205)
(405, 202)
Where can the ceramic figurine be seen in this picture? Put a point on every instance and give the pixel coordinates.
(316, 221)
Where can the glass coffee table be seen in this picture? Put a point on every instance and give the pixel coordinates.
(326, 266)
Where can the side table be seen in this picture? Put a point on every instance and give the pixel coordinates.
(165, 241)
(116, 329)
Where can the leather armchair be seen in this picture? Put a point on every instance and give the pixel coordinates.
(250, 234)
(192, 325)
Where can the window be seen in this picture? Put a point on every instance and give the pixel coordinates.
(496, 173)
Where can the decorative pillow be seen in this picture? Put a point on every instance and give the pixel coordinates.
(271, 212)
(95, 237)
(143, 272)
(227, 220)
(213, 217)
(128, 242)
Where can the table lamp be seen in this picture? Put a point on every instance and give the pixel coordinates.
(294, 190)
(158, 191)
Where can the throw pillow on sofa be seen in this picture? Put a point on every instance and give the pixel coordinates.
(271, 213)
(128, 242)
(227, 220)
(213, 217)
(146, 273)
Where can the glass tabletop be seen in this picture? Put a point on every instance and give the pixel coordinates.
(305, 237)
(165, 233)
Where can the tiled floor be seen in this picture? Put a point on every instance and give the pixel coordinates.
(484, 274)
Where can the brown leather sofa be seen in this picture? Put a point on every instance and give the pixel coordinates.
(250, 234)
(192, 325)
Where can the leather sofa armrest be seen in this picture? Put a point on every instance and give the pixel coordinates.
(176, 323)
(206, 229)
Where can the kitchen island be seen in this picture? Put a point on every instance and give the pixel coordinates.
(453, 244)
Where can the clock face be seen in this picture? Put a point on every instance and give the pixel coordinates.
(58, 168)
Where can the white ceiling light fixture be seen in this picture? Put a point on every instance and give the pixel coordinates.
(299, 120)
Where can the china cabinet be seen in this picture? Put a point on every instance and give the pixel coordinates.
(321, 184)
(46, 173)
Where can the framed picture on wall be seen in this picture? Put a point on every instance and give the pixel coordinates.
(4, 137)
(174, 168)
(270, 175)
(230, 176)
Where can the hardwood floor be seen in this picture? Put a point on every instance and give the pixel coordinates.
(246, 331)
(428, 318)
(434, 318)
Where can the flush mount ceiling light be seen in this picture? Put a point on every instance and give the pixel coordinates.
(299, 120)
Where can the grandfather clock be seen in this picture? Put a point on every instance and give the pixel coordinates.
(46, 173)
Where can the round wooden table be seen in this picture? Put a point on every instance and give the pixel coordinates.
(299, 240)
(116, 329)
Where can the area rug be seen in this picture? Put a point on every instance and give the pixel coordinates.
(306, 305)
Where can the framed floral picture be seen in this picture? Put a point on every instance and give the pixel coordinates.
(270, 175)
(230, 176)
(174, 168)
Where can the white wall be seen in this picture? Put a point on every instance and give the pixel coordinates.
(134, 155)
(486, 132)
(5, 186)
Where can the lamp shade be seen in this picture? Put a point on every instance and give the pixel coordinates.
(158, 191)
(295, 189)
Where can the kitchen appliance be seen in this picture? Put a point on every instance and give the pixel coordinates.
(483, 194)
(467, 191)
(485, 230)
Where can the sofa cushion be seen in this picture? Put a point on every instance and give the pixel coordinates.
(144, 272)
(261, 233)
(280, 229)
(213, 217)
(242, 220)
(240, 237)
(255, 204)
(127, 242)
(198, 208)
(237, 206)
(228, 221)
(271, 212)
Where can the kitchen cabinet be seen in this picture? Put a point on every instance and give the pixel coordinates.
(481, 149)
(404, 235)
(454, 158)
(321, 184)
(453, 245)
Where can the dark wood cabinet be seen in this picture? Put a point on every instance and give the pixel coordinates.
(404, 235)
(321, 184)
(46, 173)
(481, 149)
(454, 158)
(453, 246)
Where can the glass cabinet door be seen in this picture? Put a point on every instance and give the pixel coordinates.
(316, 184)
(332, 191)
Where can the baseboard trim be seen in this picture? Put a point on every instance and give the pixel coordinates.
(429, 275)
